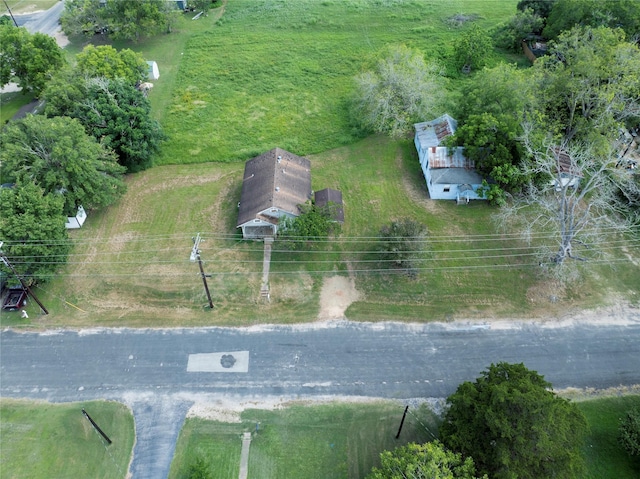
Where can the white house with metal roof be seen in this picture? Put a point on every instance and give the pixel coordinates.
(448, 173)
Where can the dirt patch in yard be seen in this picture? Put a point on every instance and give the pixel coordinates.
(338, 292)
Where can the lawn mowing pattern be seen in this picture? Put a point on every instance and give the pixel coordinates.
(44, 440)
(337, 440)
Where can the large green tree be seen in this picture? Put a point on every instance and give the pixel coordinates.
(400, 244)
(566, 14)
(588, 86)
(522, 26)
(514, 426)
(58, 156)
(112, 111)
(129, 20)
(33, 231)
(490, 126)
(423, 461)
(105, 61)
(83, 17)
(539, 7)
(492, 144)
(312, 225)
(400, 91)
(31, 59)
(472, 48)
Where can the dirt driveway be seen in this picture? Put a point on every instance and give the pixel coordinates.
(338, 292)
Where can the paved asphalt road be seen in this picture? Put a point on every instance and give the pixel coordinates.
(147, 369)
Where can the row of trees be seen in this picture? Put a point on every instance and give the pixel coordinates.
(95, 128)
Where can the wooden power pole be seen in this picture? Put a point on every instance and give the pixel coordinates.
(195, 256)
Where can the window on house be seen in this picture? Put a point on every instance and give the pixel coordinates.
(447, 188)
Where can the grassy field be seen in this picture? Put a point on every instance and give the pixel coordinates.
(345, 440)
(44, 440)
(130, 264)
(340, 440)
(280, 73)
(604, 456)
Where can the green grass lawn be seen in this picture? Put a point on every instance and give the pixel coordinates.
(280, 73)
(256, 74)
(344, 440)
(44, 440)
(339, 440)
(130, 264)
(604, 456)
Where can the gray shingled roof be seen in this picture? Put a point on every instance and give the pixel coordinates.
(275, 179)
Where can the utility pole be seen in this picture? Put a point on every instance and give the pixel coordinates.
(402, 422)
(195, 256)
(25, 286)
(10, 14)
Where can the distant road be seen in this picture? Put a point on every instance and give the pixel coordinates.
(47, 22)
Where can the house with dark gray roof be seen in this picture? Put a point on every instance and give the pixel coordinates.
(448, 173)
(273, 186)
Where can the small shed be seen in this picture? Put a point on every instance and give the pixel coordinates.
(333, 200)
(75, 222)
(153, 73)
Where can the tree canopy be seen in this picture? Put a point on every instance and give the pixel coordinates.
(429, 461)
(313, 223)
(33, 231)
(119, 19)
(402, 90)
(472, 48)
(57, 155)
(588, 85)
(105, 61)
(572, 196)
(629, 432)
(565, 14)
(523, 25)
(112, 111)
(513, 425)
(401, 242)
(31, 59)
(490, 126)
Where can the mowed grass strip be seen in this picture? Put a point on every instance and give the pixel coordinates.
(44, 440)
(604, 456)
(337, 440)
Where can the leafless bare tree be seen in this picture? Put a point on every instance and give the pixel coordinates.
(574, 197)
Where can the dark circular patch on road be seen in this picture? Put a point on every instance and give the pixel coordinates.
(227, 360)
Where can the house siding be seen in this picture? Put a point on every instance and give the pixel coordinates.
(448, 174)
